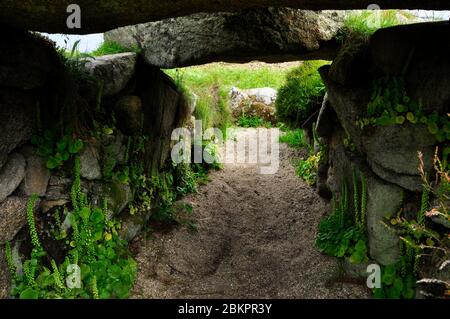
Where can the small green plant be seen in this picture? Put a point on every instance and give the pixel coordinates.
(391, 105)
(57, 150)
(74, 61)
(10, 262)
(252, 121)
(339, 234)
(31, 223)
(397, 280)
(294, 139)
(185, 179)
(94, 246)
(307, 168)
(417, 234)
(301, 95)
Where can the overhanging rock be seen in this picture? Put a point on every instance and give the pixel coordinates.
(270, 35)
(103, 15)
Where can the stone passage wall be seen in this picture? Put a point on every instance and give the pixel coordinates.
(37, 90)
(385, 154)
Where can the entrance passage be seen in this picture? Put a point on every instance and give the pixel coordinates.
(254, 239)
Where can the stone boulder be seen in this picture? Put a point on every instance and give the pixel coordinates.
(418, 48)
(259, 102)
(129, 114)
(37, 174)
(164, 108)
(16, 114)
(270, 34)
(90, 168)
(4, 275)
(27, 61)
(107, 15)
(11, 175)
(13, 216)
(391, 151)
(58, 190)
(114, 71)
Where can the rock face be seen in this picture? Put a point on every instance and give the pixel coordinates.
(16, 113)
(114, 71)
(38, 91)
(385, 154)
(128, 111)
(391, 150)
(36, 174)
(271, 35)
(13, 216)
(90, 163)
(4, 275)
(259, 102)
(107, 15)
(11, 175)
(164, 108)
(16, 68)
(29, 65)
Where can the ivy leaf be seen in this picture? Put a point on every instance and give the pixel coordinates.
(97, 217)
(85, 213)
(76, 146)
(29, 293)
(432, 127)
(400, 108)
(410, 117)
(378, 293)
(45, 151)
(388, 275)
(400, 119)
(52, 163)
(62, 144)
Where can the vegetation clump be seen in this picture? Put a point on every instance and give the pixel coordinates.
(342, 234)
(294, 138)
(365, 22)
(419, 234)
(96, 260)
(109, 47)
(301, 95)
(391, 105)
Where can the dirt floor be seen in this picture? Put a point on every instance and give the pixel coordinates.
(255, 239)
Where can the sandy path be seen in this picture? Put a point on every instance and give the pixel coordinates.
(255, 239)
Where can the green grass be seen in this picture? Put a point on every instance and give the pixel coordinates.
(109, 48)
(366, 22)
(294, 139)
(252, 121)
(300, 95)
(211, 83)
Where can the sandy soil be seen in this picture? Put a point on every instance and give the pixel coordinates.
(255, 239)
